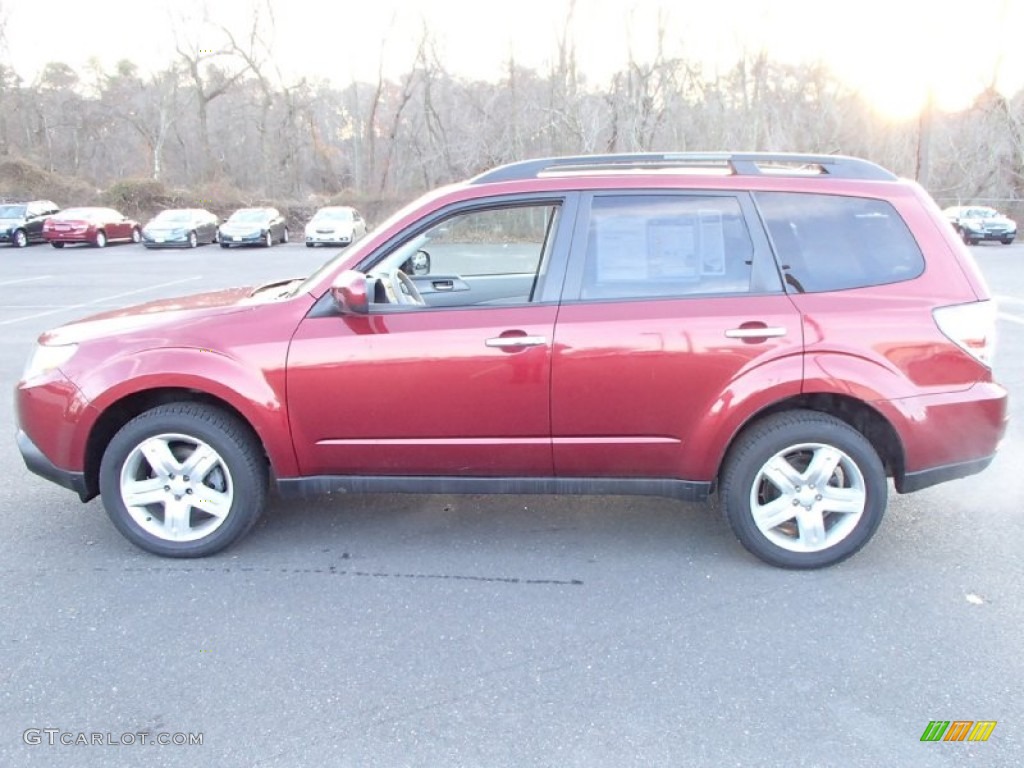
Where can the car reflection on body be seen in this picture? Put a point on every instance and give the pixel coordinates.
(335, 225)
(180, 228)
(254, 226)
(96, 226)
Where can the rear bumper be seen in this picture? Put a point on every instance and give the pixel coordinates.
(915, 481)
(37, 462)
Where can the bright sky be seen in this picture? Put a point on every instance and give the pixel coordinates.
(893, 51)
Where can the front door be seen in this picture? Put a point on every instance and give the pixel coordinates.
(457, 385)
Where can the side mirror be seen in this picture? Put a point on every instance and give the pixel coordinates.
(349, 293)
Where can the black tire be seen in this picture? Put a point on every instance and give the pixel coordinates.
(193, 241)
(309, 245)
(1007, 241)
(136, 235)
(797, 435)
(56, 244)
(224, 245)
(101, 239)
(268, 239)
(19, 239)
(240, 464)
(284, 236)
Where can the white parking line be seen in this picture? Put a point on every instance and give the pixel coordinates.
(1008, 299)
(1011, 318)
(25, 280)
(100, 300)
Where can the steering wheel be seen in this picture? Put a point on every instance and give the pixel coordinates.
(405, 289)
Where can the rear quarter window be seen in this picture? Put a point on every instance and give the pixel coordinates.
(834, 242)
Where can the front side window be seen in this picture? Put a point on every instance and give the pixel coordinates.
(492, 255)
(835, 242)
(666, 245)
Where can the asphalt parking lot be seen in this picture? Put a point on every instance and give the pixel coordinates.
(494, 631)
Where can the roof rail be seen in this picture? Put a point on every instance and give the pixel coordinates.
(737, 163)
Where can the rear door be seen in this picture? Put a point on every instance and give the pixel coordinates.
(673, 325)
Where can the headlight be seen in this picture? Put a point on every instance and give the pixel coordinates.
(45, 358)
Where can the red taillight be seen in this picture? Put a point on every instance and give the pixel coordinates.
(972, 327)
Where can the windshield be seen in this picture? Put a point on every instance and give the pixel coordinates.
(248, 215)
(333, 214)
(12, 211)
(169, 217)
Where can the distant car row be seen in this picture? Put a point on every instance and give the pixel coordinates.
(42, 221)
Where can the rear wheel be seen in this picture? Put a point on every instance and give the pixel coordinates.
(183, 480)
(19, 238)
(803, 490)
(284, 235)
(136, 235)
(101, 239)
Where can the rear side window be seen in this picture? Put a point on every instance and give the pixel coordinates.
(665, 246)
(832, 242)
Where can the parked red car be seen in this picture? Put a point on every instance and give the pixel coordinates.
(96, 226)
(787, 331)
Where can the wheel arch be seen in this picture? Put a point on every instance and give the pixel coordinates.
(861, 416)
(120, 412)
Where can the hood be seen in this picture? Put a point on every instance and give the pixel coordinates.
(177, 311)
(244, 226)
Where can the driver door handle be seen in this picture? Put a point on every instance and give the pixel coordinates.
(516, 341)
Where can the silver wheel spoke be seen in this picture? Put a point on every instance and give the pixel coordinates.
(198, 465)
(846, 501)
(812, 528)
(139, 493)
(824, 463)
(212, 502)
(782, 474)
(774, 513)
(176, 518)
(159, 456)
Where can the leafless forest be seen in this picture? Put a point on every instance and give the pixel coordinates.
(221, 125)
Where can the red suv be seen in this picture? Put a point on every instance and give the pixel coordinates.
(785, 330)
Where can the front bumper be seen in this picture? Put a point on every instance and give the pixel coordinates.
(249, 238)
(37, 462)
(164, 241)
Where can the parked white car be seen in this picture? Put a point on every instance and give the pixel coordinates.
(335, 225)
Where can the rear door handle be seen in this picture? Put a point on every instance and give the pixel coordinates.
(516, 341)
(765, 332)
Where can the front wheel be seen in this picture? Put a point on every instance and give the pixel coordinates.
(1007, 241)
(19, 239)
(55, 244)
(101, 240)
(803, 490)
(268, 239)
(193, 241)
(136, 235)
(183, 480)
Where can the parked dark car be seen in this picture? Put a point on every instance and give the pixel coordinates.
(96, 226)
(181, 228)
(22, 223)
(254, 226)
(787, 331)
(975, 223)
